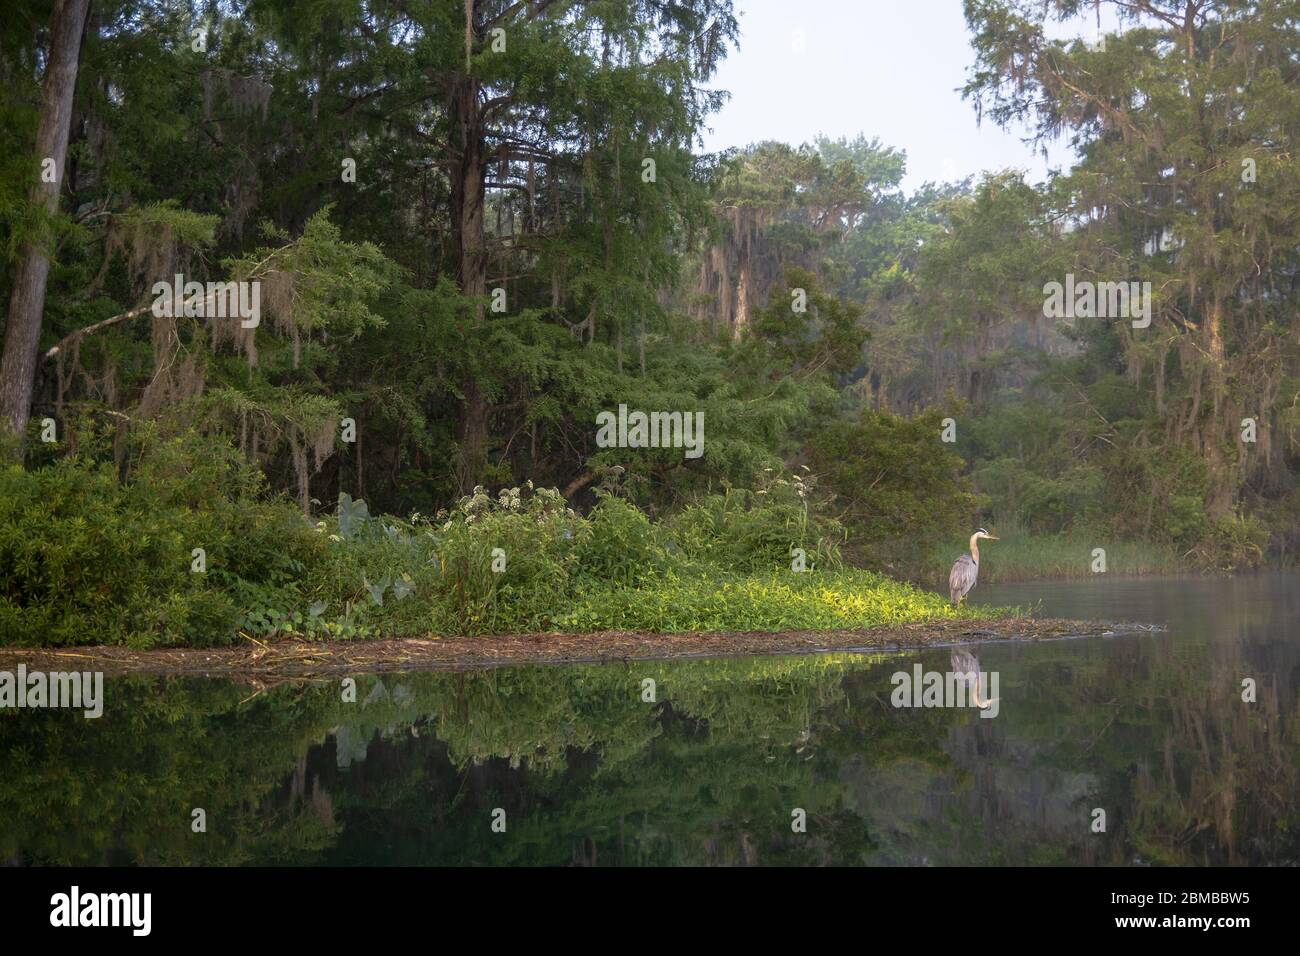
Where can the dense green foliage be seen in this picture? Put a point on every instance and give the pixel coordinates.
(1185, 122)
(88, 559)
(473, 236)
(117, 565)
(898, 492)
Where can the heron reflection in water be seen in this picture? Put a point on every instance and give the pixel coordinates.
(966, 670)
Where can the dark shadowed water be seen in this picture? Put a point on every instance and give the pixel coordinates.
(721, 768)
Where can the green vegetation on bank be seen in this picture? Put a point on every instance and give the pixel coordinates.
(186, 553)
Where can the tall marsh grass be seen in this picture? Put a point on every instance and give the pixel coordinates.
(1023, 555)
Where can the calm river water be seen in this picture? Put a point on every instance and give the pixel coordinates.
(784, 760)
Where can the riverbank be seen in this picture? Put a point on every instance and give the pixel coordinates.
(292, 659)
(118, 568)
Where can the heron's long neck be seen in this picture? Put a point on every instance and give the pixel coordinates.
(975, 548)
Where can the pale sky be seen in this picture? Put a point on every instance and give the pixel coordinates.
(886, 68)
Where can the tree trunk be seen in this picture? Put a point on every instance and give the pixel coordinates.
(1220, 500)
(467, 189)
(467, 200)
(27, 300)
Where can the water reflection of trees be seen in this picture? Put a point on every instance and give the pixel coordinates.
(1153, 731)
(1150, 729)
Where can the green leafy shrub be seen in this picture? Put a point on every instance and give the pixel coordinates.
(756, 530)
(1232, 543)
(900, 489)
(617, 544)
(88, 559)
(535, 534)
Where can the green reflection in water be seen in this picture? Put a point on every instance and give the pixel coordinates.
(1149, 727)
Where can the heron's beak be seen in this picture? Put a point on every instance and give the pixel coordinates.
(993, 537)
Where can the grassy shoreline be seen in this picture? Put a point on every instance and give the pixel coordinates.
(674, 601)
(88, 561)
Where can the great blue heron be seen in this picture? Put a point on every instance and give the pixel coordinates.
(966, 569)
